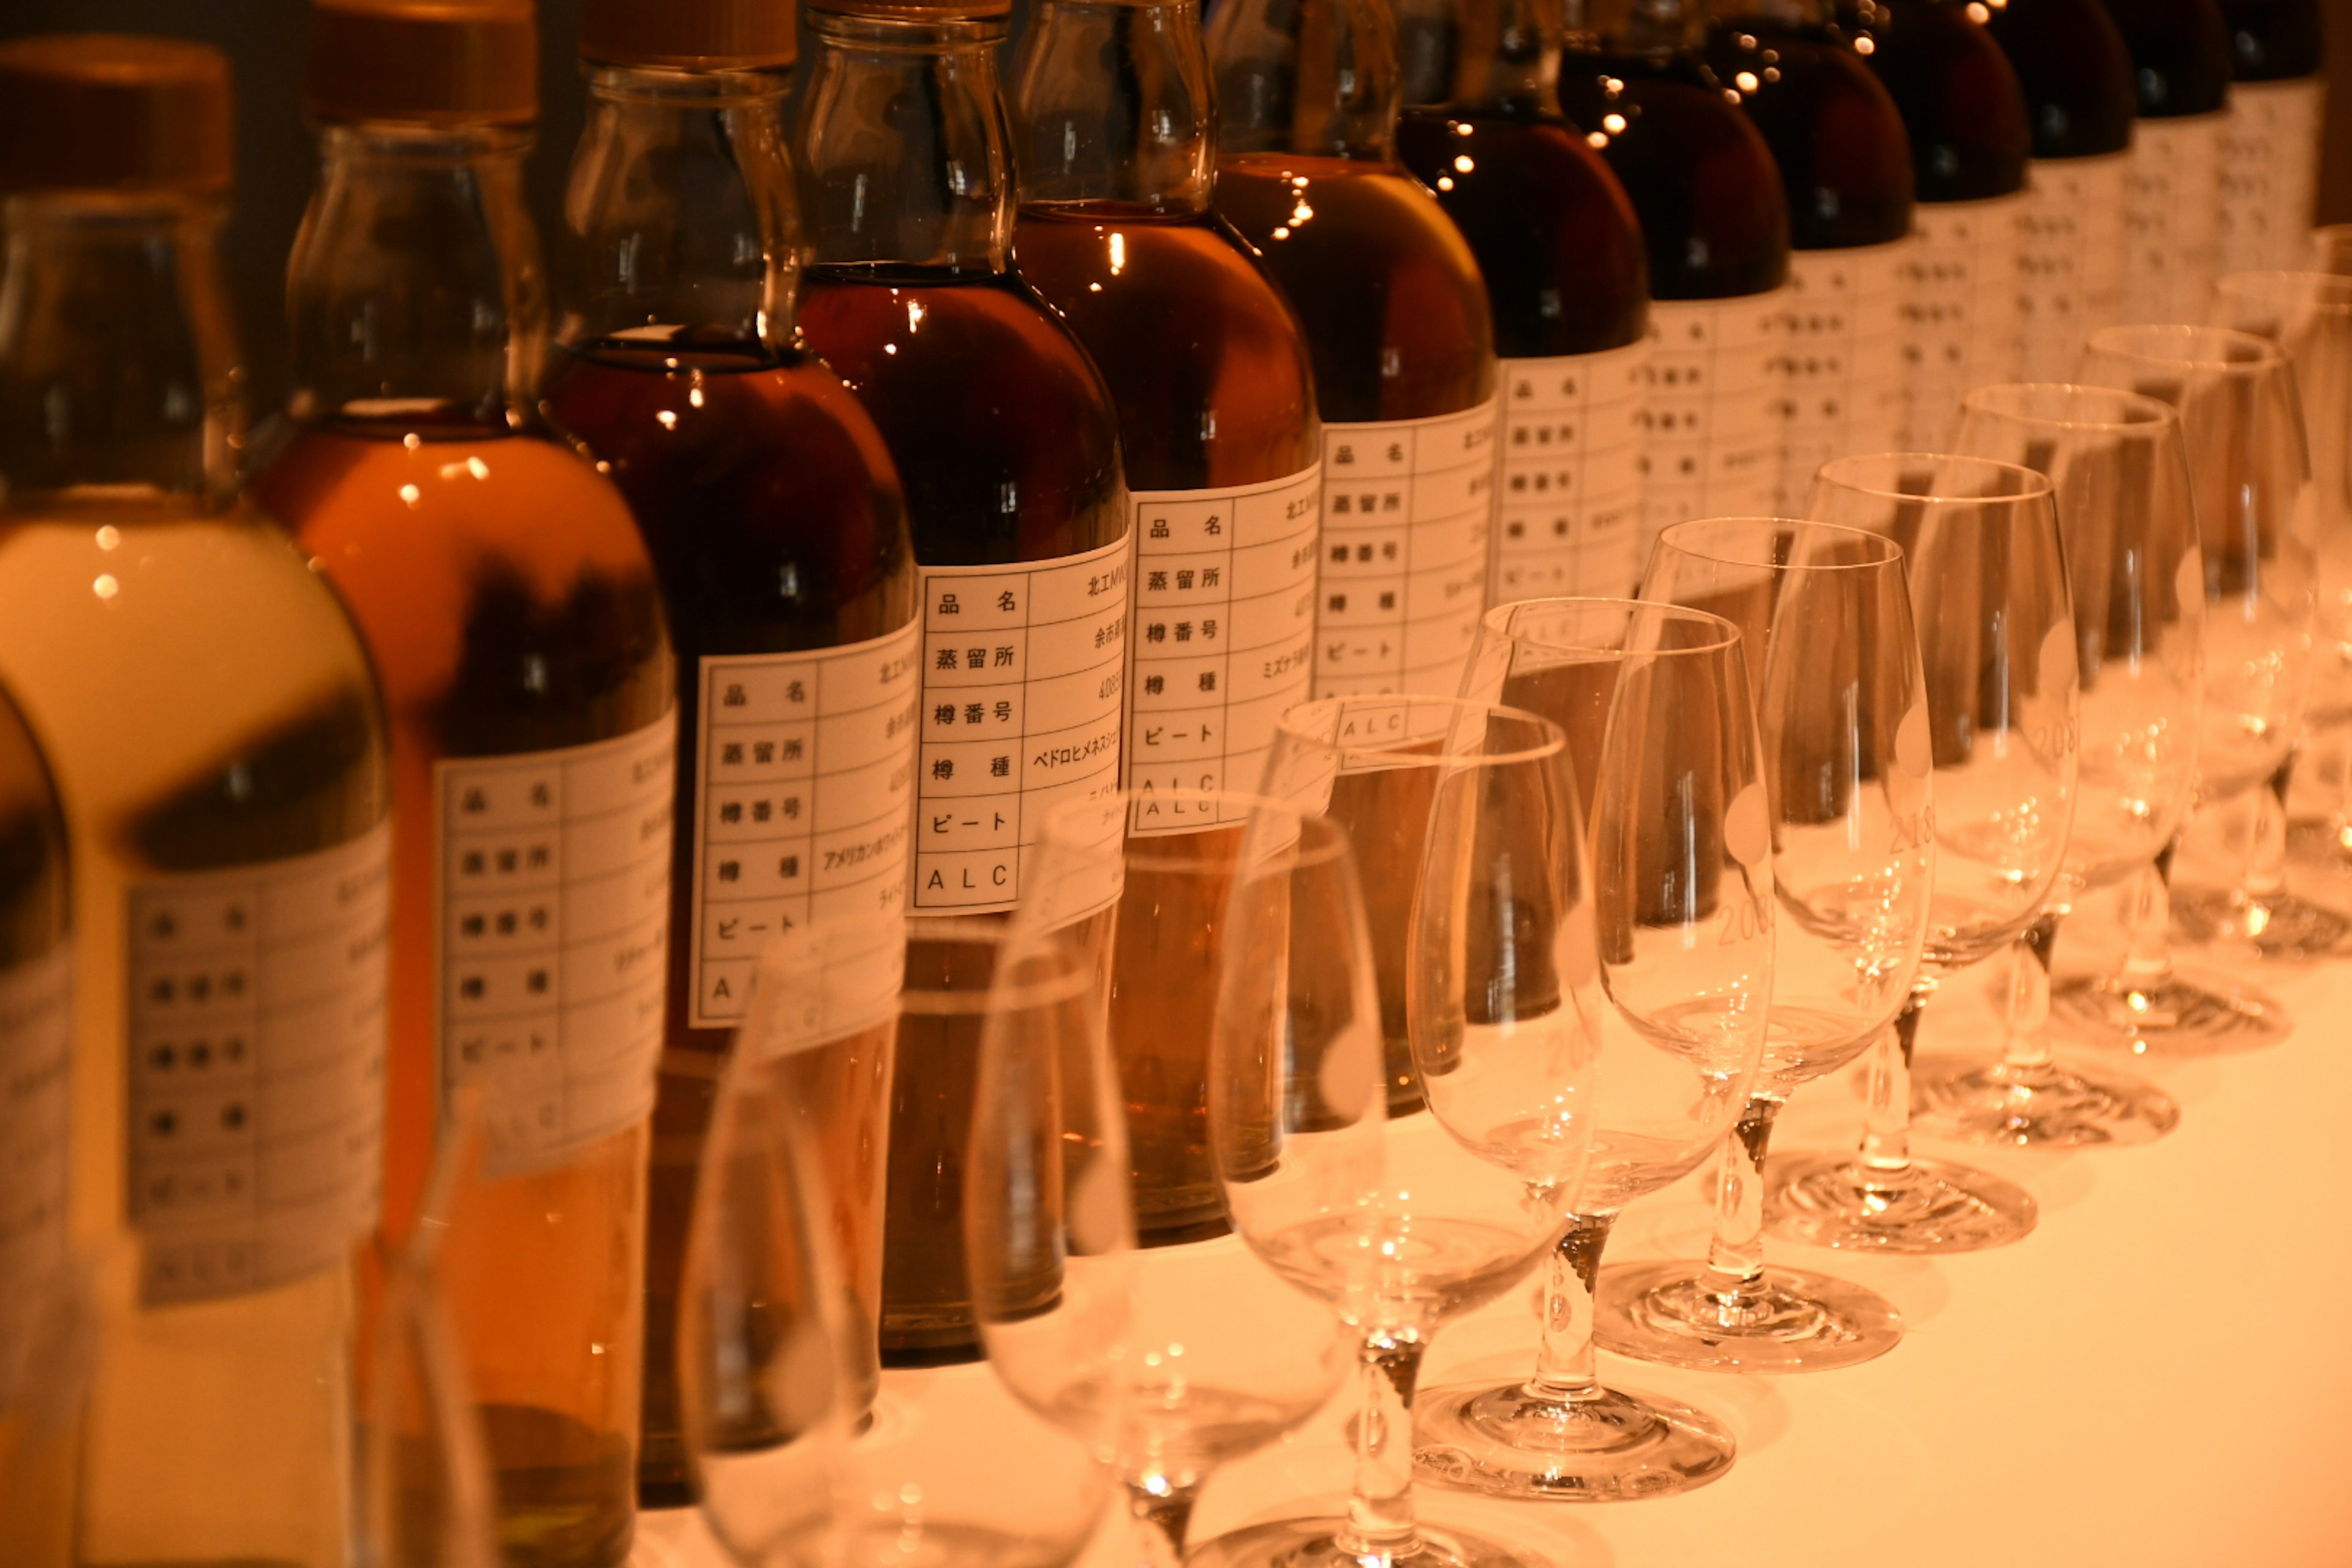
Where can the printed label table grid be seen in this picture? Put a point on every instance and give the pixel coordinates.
(2070, 260)
(1960, 318)
(1843, 360)
(1710, 412)
(2270, 174)
(1568, 507)
(2172, 218)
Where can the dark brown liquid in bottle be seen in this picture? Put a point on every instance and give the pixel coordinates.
(774, 520)
(2076, 72)
(1006, 440)
(1215, 387)
(2273, 40)
(1554, 232)
(1846, 163)
(2181, 54)
(1959, 98)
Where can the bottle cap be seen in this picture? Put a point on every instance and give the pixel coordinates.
(112, 111)
(423, 62)
(692, 34)
(916, 10)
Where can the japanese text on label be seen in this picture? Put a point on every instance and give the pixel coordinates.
(1569, 510)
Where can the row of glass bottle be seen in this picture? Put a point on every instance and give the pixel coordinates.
(514, 623)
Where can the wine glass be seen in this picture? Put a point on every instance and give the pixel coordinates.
(2309, 316)
(1997, 640)
(1168, 1360)
(2138, 583)
(2259, 521)
(1654, 700)
(1843, 708)
(1408, 1223)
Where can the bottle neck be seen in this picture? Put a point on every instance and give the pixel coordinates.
(415, 278)
(118, 364)
(679, 210)
(1111, 104)
(905, 155)
(1633, 26)
(1318, 78)
(1504, 57)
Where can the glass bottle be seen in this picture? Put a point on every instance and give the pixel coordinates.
(1845, 168)
(220, 748)
(2172, 201)
(2080, 100)
(1567, 283)
(1215, 388)
(779, 538)
(1007, 440)
(1965, 114)
(511, 610)
(1401, 333)
(1708, 192)
(2270, 153)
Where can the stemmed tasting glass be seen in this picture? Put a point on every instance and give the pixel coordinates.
(1841, 706)
(1167, 1361)
(2258, 528)
(1997, 641)
(1406, 1224)
(1656, 701)
(2309, 315)
(2138, 581)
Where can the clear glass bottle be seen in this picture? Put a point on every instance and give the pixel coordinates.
(2080, 101)
(510, 607)
(1007, 441)
(2270, 153)
(778, 535)
(1215, 390)
(1707, 194)
(1845, 168)
(2172, 200)
(1568, 281)
(219, 748)
(1965, 113)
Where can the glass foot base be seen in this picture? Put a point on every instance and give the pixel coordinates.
(2282, 925)
(1796, 1322)
(1315, 1543)
(2044, 1107)
(1505, 1442)
(1932, 1205)
(2175, 1016)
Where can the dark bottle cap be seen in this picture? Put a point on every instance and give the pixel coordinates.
(112, 112)
(692, 34)
(423, 62)
(917, 10)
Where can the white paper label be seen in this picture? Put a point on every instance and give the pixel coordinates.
(2172, 218)
(806, 781)
(1568, 506)
(1960, 318)
(1224, 628)
(1408, 511)
(1841, 360)
(2270, 174)
(2070, 260)
(555, 936)
(36, 1111)
(826, 982)
(256, 1071)
(1024, 671)
(1712, 413)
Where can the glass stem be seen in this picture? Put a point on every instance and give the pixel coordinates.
(1162, 1516)
(1565, 1369)
(2266, 843)
(1380, 1528)
(1734, 1253)
(1887, 1123)
(2027, 1016)
(2147, 924)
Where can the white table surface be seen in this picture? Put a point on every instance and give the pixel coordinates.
(2160, 1375)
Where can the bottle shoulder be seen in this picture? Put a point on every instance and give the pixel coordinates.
(2075, 72)
(1961, 102)
(1843, 153)
(2180, 55)
(2274, 40)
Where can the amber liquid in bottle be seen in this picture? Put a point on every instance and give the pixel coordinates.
(510, 606)
(2076, 72)
(1215, 389)
(1959, 99)
(1845, 159)
(774, 521)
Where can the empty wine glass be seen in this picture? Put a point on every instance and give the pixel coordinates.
(1656, 701)
(2138, 582)
(1997, 641)
(1168, 1361)
(1404, 1224)
(2258, 522)
(2309, 315)
(1843, 708)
